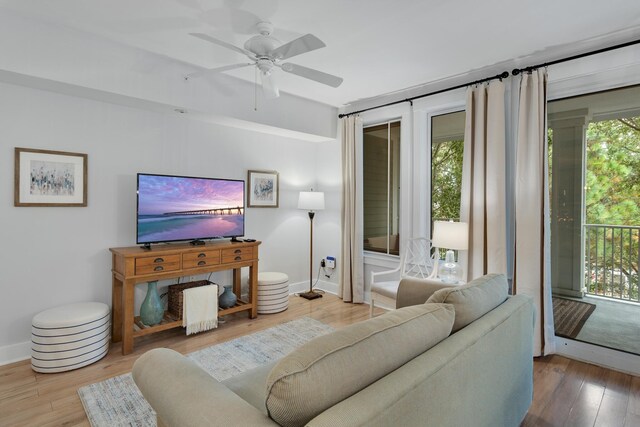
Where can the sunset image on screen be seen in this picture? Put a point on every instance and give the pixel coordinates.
(182, 208)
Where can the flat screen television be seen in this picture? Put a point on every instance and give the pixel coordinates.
(177, 208)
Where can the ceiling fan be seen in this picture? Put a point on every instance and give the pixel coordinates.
(266, 53)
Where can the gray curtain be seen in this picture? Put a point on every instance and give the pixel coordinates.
(532, 274)
(352, 283)
(483, 204)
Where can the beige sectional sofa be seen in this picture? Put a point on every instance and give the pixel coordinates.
(403, 368)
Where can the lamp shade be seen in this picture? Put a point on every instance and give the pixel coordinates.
(311, 200)
(451, 235)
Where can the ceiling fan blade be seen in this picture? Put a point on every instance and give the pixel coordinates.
(310, 73)
(303, 44)
(217, 70)
(269, 86)
(223, 44)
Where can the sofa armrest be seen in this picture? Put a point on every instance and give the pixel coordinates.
(414, 291)
(182, 394)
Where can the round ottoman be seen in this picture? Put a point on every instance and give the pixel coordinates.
(69, 337)
(273, 292)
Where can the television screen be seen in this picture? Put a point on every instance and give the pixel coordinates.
(172, 208)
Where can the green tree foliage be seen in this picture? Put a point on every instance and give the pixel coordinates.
(446, 179)
(612, 179)
(612, 196)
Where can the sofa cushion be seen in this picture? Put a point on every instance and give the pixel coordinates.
(251, 385)
(330, 368)
(473, 300)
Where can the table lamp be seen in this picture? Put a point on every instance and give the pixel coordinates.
(311, 201)
(451, 236)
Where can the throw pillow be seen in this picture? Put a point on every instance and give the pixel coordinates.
(332, 367)
(473, 300)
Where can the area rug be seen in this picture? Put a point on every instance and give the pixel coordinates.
(569, 316)
(118, 402)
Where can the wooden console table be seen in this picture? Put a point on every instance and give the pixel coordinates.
(133, 265)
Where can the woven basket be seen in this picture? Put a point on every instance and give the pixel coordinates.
(175, 296)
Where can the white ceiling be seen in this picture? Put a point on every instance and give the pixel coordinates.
(377, 46)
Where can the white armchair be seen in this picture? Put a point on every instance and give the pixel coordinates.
(415, 261)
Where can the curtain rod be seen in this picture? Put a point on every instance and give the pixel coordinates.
(517, 71)
(500, 76)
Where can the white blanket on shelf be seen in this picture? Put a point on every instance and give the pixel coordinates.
(200, 308)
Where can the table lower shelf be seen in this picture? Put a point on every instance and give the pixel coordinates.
(170, 321)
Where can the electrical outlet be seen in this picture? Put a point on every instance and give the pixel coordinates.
(330, 262)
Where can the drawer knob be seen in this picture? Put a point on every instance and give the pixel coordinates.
(202, 255)
(158, 268)
(202, 262)
(238, 258)
(158, 260)
(237, 251)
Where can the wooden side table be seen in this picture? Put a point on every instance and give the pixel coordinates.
(134, 265)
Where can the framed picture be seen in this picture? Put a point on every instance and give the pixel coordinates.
(263, 189)
(50, 178)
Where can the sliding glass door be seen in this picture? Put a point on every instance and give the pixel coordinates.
(594, 149)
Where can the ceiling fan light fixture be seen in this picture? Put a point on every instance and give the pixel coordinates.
(264, 65)
(269, 86)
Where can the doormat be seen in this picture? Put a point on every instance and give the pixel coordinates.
(569, 316)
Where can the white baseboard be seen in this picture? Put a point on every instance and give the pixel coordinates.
(295, 288)
(22, 351)
(601, 356)
(332, 288)
(15, 352)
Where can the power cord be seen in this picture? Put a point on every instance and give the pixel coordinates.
(328, 276)
(320, 291)
(164, 295)
(323, 264)
(317, 279)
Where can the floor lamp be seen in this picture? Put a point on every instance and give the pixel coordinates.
(311, 201)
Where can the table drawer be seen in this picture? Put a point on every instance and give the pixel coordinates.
(200, 259)
(237, 254)
(157, 264)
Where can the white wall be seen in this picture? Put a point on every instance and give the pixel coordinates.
(327, 231)
(52, 256)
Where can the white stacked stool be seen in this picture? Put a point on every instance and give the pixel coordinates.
(273, 292)
(70, 336)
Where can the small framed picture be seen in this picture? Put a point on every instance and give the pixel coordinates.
(263, 189)
(50, 178)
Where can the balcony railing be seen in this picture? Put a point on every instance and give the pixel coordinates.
(612, 256)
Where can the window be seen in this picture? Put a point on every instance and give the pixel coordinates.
(447, 146)
(381, 188)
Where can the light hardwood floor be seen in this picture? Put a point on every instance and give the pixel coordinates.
(565, 392)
